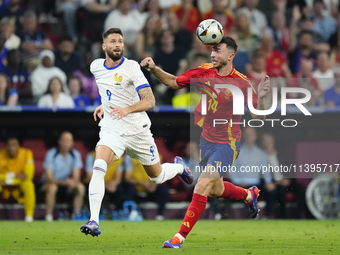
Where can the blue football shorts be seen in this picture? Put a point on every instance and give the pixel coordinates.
(221, 156)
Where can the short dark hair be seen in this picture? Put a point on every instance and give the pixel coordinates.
(229, 42)
(304, 32)
(66, 38)
(306, 17)
(114, 30)
(12, 52)
(13, 136)
(75, 77)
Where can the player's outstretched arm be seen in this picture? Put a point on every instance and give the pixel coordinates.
(262, 90)
(167, 79)
(147, 102)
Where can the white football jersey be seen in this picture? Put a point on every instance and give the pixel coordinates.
(118, 87)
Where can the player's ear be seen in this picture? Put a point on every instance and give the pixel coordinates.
(231, 56)
(103, 47)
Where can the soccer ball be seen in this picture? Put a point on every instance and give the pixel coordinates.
(209, 32)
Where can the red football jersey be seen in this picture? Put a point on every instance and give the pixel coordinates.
(219, 102)
(193, 20)
(274, 64)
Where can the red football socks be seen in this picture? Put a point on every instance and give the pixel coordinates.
(234, 192)
(193, 213)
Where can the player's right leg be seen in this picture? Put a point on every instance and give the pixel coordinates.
(104, 158)
(226, 189)
(226, 154)
(199, 200)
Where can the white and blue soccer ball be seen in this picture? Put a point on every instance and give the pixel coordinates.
(209, 32)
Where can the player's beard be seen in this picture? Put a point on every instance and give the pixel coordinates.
(115, 57)
(221, 65)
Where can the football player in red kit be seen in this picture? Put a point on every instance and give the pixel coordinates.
(219, 144)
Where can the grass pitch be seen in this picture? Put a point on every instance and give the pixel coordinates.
(226, 236)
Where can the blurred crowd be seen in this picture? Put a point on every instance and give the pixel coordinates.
(64, 172)
(46, 47)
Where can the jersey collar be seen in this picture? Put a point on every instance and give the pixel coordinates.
(229, 75)
(114, 67)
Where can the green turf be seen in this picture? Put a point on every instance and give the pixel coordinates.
(226, 236)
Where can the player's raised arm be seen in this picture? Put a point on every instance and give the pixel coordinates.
(262, 90)
(167, 79)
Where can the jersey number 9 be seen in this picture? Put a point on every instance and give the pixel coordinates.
(108, 93)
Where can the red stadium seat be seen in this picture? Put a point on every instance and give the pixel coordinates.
(55, 39)
(179, 191)
(79, 146)
(178, 147)
(39, 151)
(168, 156)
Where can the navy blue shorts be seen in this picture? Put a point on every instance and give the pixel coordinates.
(221, 156)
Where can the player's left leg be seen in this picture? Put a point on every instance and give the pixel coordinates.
(226, 189)
(199, 200)
(27, 188)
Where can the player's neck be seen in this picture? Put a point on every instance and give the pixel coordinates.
(224, 71)
(110, 63)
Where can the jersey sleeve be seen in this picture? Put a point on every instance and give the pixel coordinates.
(138, 78)
(184, 79)
(328, 95)
(78, 163)
(12, 92)
(48, 161)
(95, 65)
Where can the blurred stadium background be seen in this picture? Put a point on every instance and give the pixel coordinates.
(72, 30)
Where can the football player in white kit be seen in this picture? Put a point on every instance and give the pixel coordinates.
(125, 95)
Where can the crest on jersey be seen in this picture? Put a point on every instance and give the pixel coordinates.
(227, 94)
(118, 79)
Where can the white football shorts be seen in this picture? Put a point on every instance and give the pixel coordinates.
(140, 146)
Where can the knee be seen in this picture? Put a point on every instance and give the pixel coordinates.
(81, 188)
(204, 185)
(214, 194)
(51, 188)
(27, 186)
